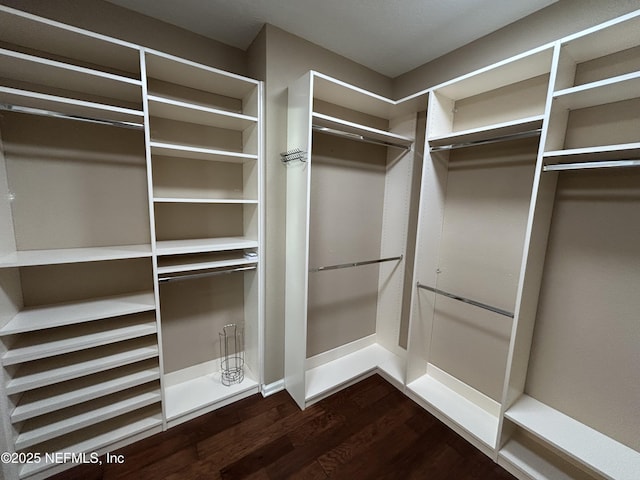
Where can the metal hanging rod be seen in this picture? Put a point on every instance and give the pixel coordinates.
(467, 300)
(191, 276)
(588, 165)
(487, 141)
(49, 113)
(355, 264)
(358, 137)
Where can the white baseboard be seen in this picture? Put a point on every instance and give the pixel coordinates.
(272, 388)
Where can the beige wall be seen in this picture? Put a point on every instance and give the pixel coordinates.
(547, 25)
(108, 19)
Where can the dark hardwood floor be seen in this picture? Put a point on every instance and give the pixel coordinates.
(368, 431)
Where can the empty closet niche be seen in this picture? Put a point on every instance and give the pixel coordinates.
(72, 185)
(79, 348)
(581, 393)
(195, 308)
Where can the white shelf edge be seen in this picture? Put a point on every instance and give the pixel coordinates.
(203, 245)
(610, 90)
(603, 149)
(57, 315)
(204, 200)
(364, 130)
(85, 419)
(58, 374)
(502, 128)
(514, 455)
(200, 153)
(201, 109)
(28, 408)
(27, 258)
(589, 447)
(206, 265)
(14, 356)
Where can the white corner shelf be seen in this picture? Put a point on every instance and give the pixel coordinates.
(27, 258)
(324, 379)
(36, 70)
(467, 415)
(57, 424)
(230, 201)
(199, 153)
(192, 113)
(54, 342)
(57, 315)
(56, 397)
(488, 132)
(327, 121)
(68, 367)
(204, 245)
(616, 89)
(606, 456)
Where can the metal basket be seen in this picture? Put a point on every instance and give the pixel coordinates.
(231, 354)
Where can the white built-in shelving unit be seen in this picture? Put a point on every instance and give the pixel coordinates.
(112, 158)
(347, 233)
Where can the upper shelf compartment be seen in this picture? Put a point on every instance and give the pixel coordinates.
(504, 99)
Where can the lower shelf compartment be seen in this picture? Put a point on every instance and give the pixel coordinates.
(467, 411)
(325, 379)
(188, 395)
(594, 450)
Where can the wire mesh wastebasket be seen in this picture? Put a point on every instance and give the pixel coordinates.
(232, 354)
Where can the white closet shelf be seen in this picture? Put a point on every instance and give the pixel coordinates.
(489, 131)
(57, 315)
(327, 121)
(100, 437)
(59, 396)
(57, 424)
(467, 415)
(516, 69)
(205, 393)
(588, 154)
(589, 447)
(204, 265)
(192, 113)
(26, 258)
(203, 245)
(616, 89)
(69, 106)
(194, 75)
(204, 200)
(325, 379)
(95, 334)
(87, 362)
(199, 153)
(516, 455)
(28, 68)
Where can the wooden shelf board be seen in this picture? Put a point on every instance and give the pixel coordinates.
(325, 378)
(91, 335)
(199, 153)
(205, 265)
(60, 369)
(355, 128)
(119, 429)
(201, 77)
(204, 200)
(28, 68)
(26, 258)
(57, 424)
(203, 245)
(489, 131)
(589, 447)
(611, 90)
(57, 315)
(69, 106)
(466, 414)
(202, 392)
(191, 113)
(57, 397)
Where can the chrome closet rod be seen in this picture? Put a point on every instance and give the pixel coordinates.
(205, 274)
(357, 137)
(50, 113)
(587, 165)
(502, 138)
(467, 300)
(355, 264)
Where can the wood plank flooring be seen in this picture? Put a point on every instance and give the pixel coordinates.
(368, 431)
